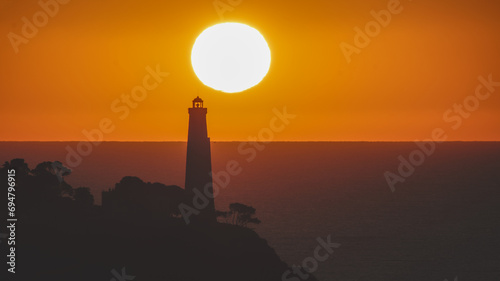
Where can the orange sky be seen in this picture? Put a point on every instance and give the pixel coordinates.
(429, 57)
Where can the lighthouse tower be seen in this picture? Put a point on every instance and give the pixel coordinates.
(198, 162)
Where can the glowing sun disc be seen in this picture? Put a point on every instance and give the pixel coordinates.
(230, 57)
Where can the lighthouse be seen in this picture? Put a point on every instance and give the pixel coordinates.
(198, 162)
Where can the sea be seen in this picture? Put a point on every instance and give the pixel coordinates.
(397, 211)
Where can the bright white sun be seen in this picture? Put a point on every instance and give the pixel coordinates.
(231, 57)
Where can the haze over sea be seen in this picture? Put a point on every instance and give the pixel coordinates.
(442, 222)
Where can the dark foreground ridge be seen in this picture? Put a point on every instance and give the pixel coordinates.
(62, 235)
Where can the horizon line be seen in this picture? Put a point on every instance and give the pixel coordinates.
(280, 141)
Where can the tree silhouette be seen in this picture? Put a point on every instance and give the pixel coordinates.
(239, 214)
(19, 165)
(83, 197)
(46, 173)
(42, 189)
(133, 196)
(67, 229)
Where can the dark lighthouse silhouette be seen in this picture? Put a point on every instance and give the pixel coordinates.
(198, 161)
(132, 195)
